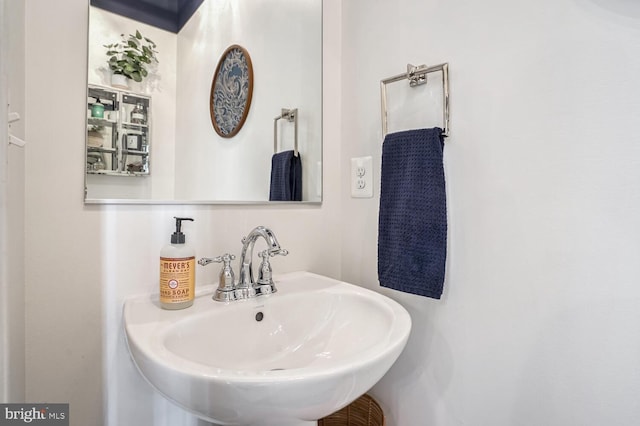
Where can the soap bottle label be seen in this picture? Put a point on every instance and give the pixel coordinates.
(177, 279)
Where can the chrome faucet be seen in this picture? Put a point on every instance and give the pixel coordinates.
(246, 287)
(265, 284)
(226, 291)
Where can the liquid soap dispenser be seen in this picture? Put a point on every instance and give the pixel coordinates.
(177, 271)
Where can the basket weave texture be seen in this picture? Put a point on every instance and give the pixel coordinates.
(364, 411)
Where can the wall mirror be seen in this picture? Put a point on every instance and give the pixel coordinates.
(153, 141)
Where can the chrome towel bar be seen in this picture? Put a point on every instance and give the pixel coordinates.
(417, 75)
(291, 115)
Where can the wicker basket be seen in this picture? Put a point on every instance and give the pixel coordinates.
(364, 411)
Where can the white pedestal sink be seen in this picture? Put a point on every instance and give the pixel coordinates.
(288, 358)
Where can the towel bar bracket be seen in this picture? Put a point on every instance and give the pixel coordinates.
(417, 75)
(288, 114)
(291, 115)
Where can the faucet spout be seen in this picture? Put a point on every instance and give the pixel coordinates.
(246, 281)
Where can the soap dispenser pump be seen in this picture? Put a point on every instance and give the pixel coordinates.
(177, 270)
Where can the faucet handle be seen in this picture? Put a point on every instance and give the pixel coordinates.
(205, 261)
(226, 285)
(226, 258)
(265, 273)
(227, 277)
(218, 259)
(273, 252)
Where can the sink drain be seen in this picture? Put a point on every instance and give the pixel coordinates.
(259, 316)
(277, 369)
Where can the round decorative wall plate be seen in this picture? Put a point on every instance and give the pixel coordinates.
(231, 91)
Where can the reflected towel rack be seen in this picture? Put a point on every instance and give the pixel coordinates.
(417, 75)
(291, 115)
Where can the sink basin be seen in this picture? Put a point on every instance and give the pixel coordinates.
(287, 358)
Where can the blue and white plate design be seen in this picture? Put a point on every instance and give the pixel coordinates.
(232, 92)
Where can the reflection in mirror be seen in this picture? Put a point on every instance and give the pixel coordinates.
(170, 151)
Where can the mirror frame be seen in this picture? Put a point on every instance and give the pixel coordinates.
(261, 203)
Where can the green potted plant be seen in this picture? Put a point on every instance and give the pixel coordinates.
(130, 57)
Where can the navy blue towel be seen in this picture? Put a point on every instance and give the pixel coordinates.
(286, 177)
(412, 227)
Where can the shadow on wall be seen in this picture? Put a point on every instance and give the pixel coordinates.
(576, 372)
(423, 370)
(621, 10)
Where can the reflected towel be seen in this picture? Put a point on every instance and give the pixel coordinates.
(286, 177)
(412, 227)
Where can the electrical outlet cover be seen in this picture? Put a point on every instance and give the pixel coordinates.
(361, 177)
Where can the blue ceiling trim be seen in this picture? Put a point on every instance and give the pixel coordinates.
(157, 13)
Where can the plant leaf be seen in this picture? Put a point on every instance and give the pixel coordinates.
(148, 40)
(130, 56)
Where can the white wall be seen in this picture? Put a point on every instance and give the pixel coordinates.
(82, 261)
(12, 294)
(539, 323)
(285, 54)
